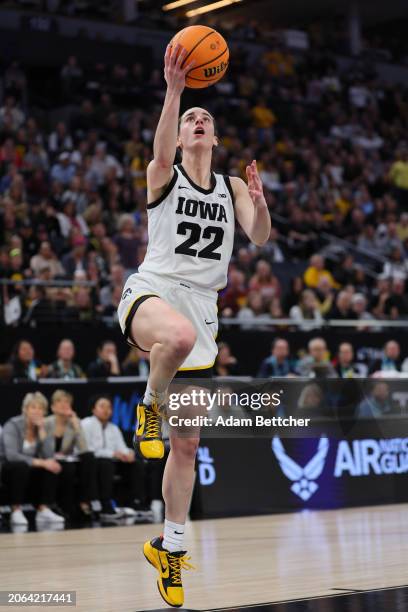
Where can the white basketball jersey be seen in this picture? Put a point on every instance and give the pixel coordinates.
(191, 231)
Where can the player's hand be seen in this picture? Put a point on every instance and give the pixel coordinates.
(174, 70)
(255, 184)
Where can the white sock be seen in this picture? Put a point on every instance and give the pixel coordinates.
(151, 396)
(173, 536)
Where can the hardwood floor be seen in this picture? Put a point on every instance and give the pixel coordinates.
(239, 561)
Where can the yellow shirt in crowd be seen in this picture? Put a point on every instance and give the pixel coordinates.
(263, 117)
(312, 277)
(399, 174)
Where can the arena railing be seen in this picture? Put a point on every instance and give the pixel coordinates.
(334, 241)
(261, 322)
(310, 325)
(52, 283)
(352, 248)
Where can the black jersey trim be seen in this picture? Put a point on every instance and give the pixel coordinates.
(229, 187)
(193, 184)
(204, 373)
(165, 193)
(128, 322)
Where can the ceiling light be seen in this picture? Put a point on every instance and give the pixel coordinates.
(176, 4)
(210, 7)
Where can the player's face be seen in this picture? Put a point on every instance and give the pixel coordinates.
(197, 130)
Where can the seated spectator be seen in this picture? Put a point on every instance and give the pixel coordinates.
(293, 296)
(272, 249)
(342, 307)
(81, 309)
(307, 313)
(46, 258)
(84, 119)
(367, 239)
(10, 112)
(25, 365)
(397, 266)
(378, 403)
(395, 304)
(107, 363)
(112, 455)
(326, 295)
(64, 367)
(68, 440)
(76, 259)
(244, 259)
(101, 163)
(278, 363)
(59, 140)
(70, 222)
(399, 175)
(402, 227)
(263, 116)
(15, 272)
(264, 281)
(311, 403)
(36, 158)
(346, 366)
(316, 271)
(380, 294)
(235, 295)
(29, 471)
(360, 312)
(112, 309)
(225, 363)
(275, 311)
(390, 361)
(360, 282)
(136, 363)
(77, 194)
(127, 241)
(64, 170)
(316, 363)
(344, 274)
(37, 191)
(40, 310)
(117, 277)
(255, 309)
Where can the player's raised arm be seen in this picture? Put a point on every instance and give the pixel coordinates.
(250, 205)
(159, 171)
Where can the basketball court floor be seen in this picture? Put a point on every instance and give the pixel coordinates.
(352, 560)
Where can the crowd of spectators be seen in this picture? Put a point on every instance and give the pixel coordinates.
(316, 361)
(318, 390)
(313, 360)
(64, 465)
(24, 364)
(332, 154)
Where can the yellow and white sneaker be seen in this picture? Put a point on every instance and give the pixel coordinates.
(147, 440)
(169, 566)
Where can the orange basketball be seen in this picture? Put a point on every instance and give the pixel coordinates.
(210, 52)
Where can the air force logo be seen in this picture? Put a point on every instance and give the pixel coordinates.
(302, 477)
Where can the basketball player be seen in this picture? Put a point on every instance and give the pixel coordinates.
(170, 306)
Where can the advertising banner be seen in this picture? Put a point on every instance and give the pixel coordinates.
(257, 476)
(272, 446)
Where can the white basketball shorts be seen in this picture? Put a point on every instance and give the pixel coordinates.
(198, 305)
